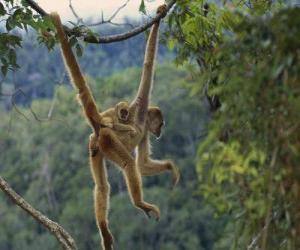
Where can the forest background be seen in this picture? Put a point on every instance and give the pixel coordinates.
(227, 80)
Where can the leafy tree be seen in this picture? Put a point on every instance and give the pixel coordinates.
(247, 165)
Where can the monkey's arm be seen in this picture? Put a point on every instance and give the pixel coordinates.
(85, 95)
(123, 127)
(149, 167)
(141, 101)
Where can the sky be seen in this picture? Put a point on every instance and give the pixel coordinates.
(93, 8)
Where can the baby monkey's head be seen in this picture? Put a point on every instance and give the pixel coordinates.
(122, 110)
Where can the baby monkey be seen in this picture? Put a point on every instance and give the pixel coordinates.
(117, 117)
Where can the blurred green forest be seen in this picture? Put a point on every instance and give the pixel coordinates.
(228, 82)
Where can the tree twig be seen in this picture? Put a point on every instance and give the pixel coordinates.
(111, 38)
(57, 230)
(102, 20)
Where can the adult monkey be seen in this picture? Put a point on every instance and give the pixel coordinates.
(117, 145)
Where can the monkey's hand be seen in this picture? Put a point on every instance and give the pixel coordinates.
(133, 132)
(93, 145)
(162, 10)
(107, 122)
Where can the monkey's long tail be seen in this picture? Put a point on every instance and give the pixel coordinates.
(85, 95)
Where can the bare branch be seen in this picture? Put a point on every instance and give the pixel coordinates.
(102, 20)
(36, 7)
(109, 20)
(79, 19)
(57, 230)
(107, 39)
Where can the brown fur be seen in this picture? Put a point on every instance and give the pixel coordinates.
(84, 93)
(116, 144)
(114, 118)
(148, 166)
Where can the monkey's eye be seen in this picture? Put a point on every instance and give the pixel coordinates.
(124, 113)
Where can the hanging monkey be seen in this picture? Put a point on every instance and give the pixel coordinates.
(117, 145)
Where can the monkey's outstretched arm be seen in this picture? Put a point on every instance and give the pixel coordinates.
(141, 101)
(149, 167)
(85, 95)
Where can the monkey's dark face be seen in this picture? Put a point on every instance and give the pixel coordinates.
(122, 109)
(157, 127)
(124, 114)
(155, 121)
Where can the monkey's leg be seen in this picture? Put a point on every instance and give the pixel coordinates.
(115, 151)
(101, 198)
(156, 167)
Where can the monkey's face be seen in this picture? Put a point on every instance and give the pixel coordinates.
(122, 109)
(123, 114)
(156, 126)
(155, 121)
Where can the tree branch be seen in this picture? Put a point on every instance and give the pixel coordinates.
(57, 230)
(106, 39)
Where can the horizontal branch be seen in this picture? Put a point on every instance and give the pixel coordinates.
(59, 232)
(111, 38)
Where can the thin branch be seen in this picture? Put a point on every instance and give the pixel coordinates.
(102, 20)
(57, 230)
(110, 19)
(107, 39)
(79, 19)
(36, 7)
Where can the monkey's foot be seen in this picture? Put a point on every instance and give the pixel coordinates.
(175, 173)
(150, 209)
(107, 237)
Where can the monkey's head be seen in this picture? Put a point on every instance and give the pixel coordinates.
(122, 110)
(155, 121)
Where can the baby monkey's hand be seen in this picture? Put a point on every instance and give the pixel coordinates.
(133, 132)
(107, 122)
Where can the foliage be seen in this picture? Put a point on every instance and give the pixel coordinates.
(248, 163)
(246, 53)
(17, 15)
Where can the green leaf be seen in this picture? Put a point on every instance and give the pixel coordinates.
(78, 50)
(2, 10)
(10, 24)
(73, 41)
(12, 56)
(4, 69)
(142, 7)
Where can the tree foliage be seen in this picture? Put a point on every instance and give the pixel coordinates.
(248, 57)
(245, 54)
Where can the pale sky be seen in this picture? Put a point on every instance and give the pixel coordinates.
(93, 8)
